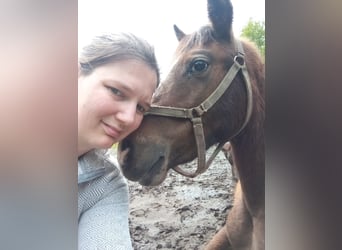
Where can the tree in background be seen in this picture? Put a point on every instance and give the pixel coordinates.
(255, 31)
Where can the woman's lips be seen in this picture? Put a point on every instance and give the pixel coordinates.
(111, 131)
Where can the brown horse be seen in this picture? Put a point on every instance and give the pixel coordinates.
(204, 62)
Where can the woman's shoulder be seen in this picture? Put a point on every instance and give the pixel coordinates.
(94, 164)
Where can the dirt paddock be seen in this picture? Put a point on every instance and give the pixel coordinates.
(181, 213)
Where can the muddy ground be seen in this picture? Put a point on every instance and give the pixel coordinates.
(181, 213)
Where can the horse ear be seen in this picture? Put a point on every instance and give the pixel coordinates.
(179, 34)
(220, 14)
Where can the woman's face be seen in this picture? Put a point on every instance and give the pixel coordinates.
(111, 102)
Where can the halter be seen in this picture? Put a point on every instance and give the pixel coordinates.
(195, 114)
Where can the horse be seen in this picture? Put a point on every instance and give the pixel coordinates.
(214, 93)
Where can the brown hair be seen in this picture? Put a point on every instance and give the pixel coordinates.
(111, 47)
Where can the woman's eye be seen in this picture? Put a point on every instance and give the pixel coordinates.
(141, 109)
(115, 91)
(199, 66)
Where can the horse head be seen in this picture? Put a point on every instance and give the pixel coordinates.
(202, 59)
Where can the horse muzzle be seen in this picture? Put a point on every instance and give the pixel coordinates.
(143, 163)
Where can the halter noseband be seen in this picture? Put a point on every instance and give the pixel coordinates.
(195, 114)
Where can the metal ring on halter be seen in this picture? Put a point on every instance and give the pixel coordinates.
(237, 59)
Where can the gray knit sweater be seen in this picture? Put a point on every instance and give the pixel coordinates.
(102, 205)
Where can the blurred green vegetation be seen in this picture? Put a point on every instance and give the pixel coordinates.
(255, 31)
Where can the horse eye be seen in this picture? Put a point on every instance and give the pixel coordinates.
(199, 66)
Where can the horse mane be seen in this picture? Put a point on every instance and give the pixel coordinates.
(256, 71)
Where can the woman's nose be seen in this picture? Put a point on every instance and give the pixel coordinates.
(126, 114)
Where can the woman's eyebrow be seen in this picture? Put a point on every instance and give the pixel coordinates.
(120, 85)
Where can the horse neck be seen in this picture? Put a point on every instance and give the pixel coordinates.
(249, 159)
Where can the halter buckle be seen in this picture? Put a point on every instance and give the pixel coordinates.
(198, 111)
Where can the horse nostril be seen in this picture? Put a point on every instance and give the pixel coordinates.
(124, 144)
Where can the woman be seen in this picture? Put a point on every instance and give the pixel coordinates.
(118, 74)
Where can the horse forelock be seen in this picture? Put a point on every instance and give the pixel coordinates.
(202, 37)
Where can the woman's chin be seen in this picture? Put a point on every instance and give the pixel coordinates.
(106, 143)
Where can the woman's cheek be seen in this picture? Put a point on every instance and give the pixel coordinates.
(137, 122)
